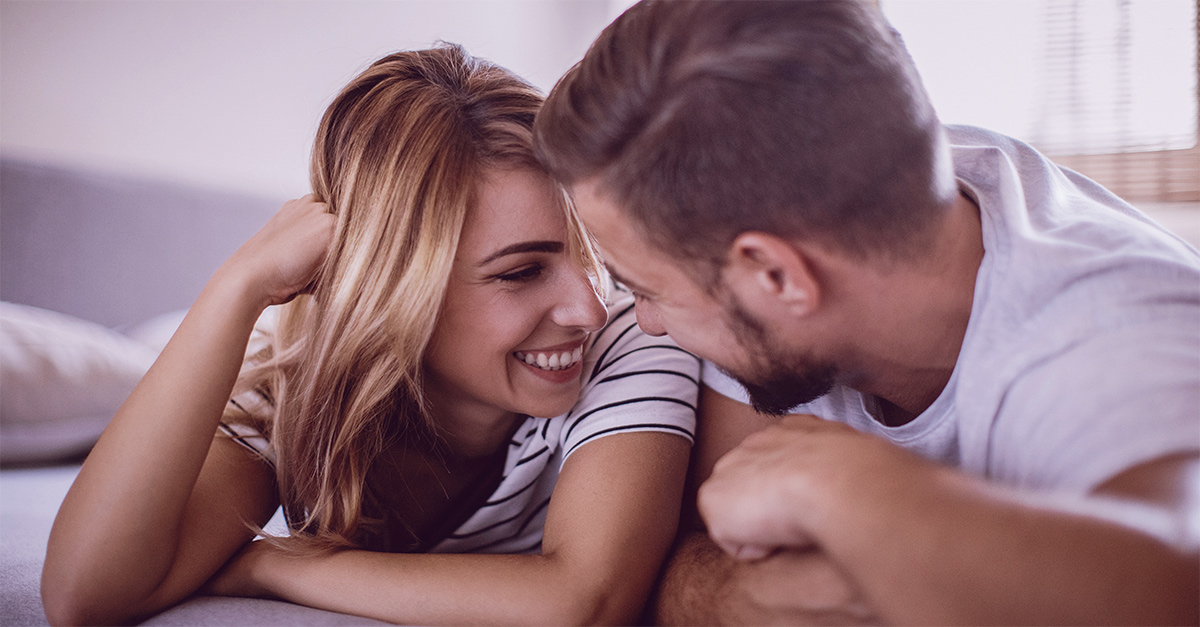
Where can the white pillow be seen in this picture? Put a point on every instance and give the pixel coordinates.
(61, 381)
(157, 331)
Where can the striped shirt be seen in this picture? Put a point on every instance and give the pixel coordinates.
(631, 382)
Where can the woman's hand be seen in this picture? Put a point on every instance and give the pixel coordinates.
(283, 258)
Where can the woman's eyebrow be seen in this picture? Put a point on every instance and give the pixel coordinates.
(542, 246)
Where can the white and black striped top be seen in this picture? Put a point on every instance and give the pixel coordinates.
(631, 382)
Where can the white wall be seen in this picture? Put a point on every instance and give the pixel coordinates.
(229, 93)
(989, 63)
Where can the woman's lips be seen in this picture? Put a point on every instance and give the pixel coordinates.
(551, 360)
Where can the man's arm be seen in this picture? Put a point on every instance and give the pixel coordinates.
(928, 544)
(702, 585)
(1102, 530)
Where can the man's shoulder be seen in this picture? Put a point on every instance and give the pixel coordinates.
(1064, 258)
(1104, 403)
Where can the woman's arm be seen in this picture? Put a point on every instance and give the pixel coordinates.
(159, 505)
(610, 523)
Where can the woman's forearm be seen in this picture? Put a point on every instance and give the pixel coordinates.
(117, 531)
(435, 589)
(608, 527)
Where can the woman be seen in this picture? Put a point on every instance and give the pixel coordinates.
(446, 367)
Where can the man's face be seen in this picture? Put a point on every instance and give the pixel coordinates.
(712, 326)
(778, 379)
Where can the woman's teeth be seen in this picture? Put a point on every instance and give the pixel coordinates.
(551, 361)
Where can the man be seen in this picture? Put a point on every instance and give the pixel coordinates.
(1002, 358)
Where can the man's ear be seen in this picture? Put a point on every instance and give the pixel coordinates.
(771, 275)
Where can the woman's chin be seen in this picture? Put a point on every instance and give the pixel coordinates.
(547, 408)
(552, 404)
(549, 393)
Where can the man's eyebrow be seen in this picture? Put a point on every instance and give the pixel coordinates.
(541, 246)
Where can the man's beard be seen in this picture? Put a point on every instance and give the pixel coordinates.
(778, 382)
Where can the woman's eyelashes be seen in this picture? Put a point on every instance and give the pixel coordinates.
(523, 274)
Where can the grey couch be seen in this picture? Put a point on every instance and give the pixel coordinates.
(99, 256)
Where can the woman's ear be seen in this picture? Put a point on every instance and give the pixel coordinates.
(771, 276)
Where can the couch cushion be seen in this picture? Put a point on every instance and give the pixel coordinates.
(114, 250)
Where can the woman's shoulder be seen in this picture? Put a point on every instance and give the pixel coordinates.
(632, 382)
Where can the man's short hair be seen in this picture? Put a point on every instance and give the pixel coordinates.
(704, 120)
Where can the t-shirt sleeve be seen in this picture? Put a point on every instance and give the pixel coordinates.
(722, 383)
(633, 382)
(1100, 407)
(245, 435)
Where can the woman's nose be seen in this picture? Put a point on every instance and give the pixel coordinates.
(579, 305)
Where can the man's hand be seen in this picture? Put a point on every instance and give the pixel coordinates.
(703, 585)
(1002, 555)
(785, 486)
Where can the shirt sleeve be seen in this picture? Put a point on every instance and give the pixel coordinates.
(243, 434)
(633, 382)
(723, 384)
(1099, 408)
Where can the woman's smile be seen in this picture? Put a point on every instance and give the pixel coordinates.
(558, 364)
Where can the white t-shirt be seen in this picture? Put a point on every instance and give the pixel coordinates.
(631, 382)
(1082, 354)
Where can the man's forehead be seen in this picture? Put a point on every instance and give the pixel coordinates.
(591, 199)
(629, 255)
(605, 218)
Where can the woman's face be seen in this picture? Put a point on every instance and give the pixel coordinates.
(517, 310)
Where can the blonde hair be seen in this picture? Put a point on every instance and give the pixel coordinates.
(397, 157)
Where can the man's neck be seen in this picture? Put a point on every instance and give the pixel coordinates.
(914, 319)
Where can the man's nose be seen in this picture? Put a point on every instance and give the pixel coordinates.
(649, 320)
